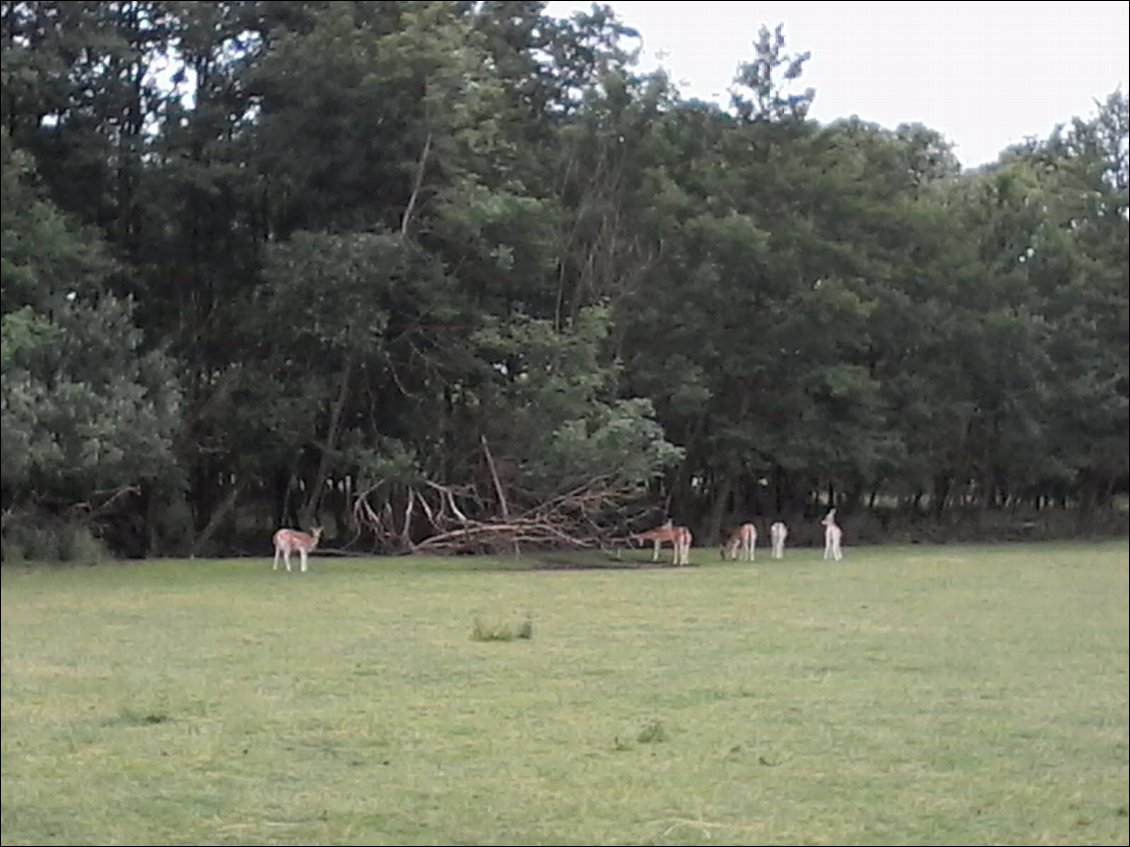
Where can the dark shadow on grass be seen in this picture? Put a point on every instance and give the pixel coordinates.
(580, 561)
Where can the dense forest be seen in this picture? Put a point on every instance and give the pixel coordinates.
(457, 275)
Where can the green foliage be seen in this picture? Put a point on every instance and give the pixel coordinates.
(260, 257)
(562, 424)
(44, 254)
(84, 406)
(766, 78)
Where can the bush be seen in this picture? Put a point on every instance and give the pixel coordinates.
(11, 552)
(52, 541)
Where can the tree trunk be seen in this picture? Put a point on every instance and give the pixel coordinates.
(721, 498)
(217, 518)
(942, 483)
(328, 447)
(412, 199)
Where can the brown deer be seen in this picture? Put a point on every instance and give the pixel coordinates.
(679, 537)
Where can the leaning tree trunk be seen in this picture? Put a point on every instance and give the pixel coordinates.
(217, 518)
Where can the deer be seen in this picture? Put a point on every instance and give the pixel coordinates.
(741, 544)
(683, 541)
(288, 541)
(778, 532)
(667, 533)
(833, 535)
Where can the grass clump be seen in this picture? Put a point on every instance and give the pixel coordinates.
(652, 732)
(501, 630)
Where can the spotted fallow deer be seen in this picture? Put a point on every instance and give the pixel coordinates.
(288, 541)
(742, 544)
(679, 537)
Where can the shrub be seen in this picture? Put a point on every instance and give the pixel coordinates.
(52, 541)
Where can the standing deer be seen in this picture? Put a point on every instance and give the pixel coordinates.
(664, 534)
(833, 535)
(741, 544)
(679, 537)
(288, 541)
(683, 540)
(778, 532)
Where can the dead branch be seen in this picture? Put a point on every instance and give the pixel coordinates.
(498, 489)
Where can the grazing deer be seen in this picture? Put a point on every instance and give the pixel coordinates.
(679, 537)
(288, 541)
(778, 532)
(833, 535)
(741, 544)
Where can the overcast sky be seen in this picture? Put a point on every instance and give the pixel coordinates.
(983, 74)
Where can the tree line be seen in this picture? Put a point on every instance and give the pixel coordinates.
(451, 275)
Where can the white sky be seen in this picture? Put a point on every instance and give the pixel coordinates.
(983, 74)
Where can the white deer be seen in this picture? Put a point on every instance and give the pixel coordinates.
(683, 540)
(288, 541)
(833, 535)
(778, 532)
(741, 544)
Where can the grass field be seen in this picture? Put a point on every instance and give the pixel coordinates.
(908, 695)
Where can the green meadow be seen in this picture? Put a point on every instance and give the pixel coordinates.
(907, 695)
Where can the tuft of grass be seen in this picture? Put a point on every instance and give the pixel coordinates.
(652, 732)
(501, 630)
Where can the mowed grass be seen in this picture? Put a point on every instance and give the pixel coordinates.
(908, 695)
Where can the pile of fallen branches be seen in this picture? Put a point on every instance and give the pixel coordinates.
(441, 519)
